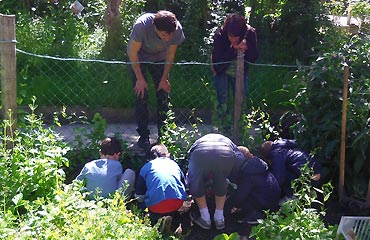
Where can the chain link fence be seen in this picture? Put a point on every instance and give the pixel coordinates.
(89, 86)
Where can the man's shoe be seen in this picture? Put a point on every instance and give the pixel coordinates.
(242, 237)
(165, 227)
(252, 222)
(144, 143)
(219, 224)
(199, 221)
(286, 199)
(252, 219)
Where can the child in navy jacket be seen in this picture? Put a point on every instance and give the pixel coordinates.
(257, 188)
(285, 160)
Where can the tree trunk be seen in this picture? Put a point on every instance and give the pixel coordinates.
(113, 48)
(112, 13)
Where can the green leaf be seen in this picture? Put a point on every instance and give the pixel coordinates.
(17, 198)
(234, 236)
(222, 236)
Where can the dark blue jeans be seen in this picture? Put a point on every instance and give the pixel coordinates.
(223, 84)
(155, 72)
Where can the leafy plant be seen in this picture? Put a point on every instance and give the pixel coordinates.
(319, 103)
(85, 146)
(224, 236)
(35, 204)
(91, 134)
(63, 36)
(69, 216)
(256, 128)
(31, 161)
(178, 139)
(296, 219)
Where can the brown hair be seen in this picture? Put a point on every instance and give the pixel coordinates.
(235, 25)
(265, 149)
(159, 150)
(247, 154)
(165, 21)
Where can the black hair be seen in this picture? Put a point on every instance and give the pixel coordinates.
(110, 146)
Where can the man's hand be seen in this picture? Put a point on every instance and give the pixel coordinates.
(165, 85)
(140, 88)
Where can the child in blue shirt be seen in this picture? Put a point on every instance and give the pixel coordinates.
(161, 185)
(104, 176)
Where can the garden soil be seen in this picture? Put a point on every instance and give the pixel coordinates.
(333, 208)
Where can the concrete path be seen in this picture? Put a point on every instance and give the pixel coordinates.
(126, 131)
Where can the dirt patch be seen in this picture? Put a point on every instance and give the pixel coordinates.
(192, 231)
(334, 211)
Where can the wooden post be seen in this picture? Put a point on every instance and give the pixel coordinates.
(8, 69)
(343, 135)
(367, 203)
(239, 94)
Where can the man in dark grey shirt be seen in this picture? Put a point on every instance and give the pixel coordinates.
(151, 50)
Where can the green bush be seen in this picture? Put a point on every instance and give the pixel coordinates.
(36, 204)
(31, 161)
(296, 219)
(319, 103)
(178, 139)
(69, 216)
(256, 128)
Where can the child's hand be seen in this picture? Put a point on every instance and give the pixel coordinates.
(316, 177)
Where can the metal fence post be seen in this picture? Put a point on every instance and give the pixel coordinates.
(8, 69)
(239, 94)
